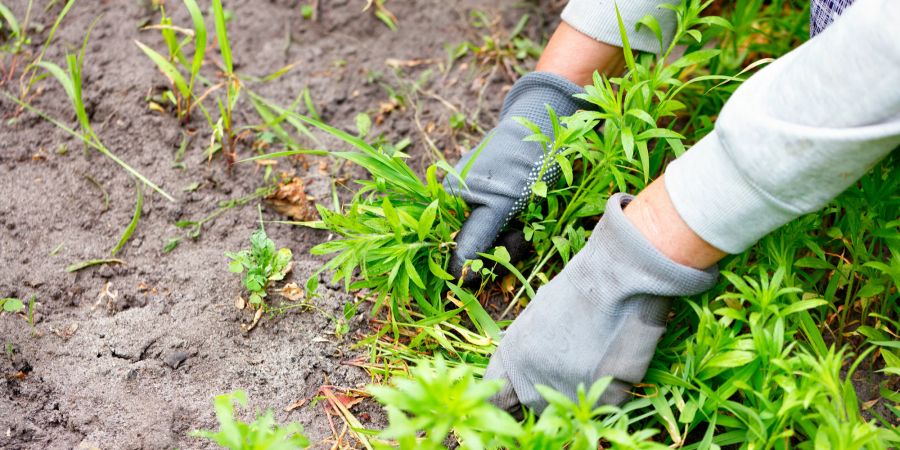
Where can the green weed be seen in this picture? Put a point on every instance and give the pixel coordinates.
(262, 263)
(16, 35)
(438, 400)
(498, 48)
(261, 434)
(382, 13)
(194, 228)
(396, 233)
(11, 304)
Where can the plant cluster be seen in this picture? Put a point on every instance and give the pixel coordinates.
(439, 400)
(263, 264)
(185, 77)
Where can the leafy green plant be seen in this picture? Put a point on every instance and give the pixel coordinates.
(262, 263)
(261, 434)
(437, 400)
(11, 304)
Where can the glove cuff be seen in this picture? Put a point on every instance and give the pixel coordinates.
(618, 262)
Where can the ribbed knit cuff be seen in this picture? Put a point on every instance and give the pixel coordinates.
(597, 19)
(619, 263)
(718, 202)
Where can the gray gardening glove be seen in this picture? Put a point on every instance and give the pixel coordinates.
(601, 316)
(499, 182)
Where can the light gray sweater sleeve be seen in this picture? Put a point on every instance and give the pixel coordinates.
(797, 133)
(597, 19)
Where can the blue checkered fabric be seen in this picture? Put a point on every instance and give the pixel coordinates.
(823, 12)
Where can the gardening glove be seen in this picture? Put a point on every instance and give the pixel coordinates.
(601, 316)
(499, 181)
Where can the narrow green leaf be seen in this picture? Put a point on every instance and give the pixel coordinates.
(427, 220)
(222, 35)
(199, 41)
(129, 230)
(171, 73)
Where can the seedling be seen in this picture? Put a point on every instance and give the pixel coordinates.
(223, 130)
(382, 13)
(194, 228)
(15, 34)
(263, 265)
(182, 93)
(498, 48)
(261, 434)
(11, 304)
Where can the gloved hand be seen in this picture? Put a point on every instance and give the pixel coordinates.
(601, 316)
(499, 181)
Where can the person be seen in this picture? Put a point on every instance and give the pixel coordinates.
(792, 137)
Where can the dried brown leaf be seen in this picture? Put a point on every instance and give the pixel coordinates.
(290, 199)
(292, 292)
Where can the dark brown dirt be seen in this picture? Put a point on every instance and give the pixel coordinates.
(101, 374)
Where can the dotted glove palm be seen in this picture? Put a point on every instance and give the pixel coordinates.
(601, 316)
(500, 179)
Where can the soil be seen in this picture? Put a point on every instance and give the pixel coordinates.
(139, 368)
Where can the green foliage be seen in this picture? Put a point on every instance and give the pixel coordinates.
(262, 263)
(396, 234)
(261, 434)
(382, 13)
(746, 364)
(438, 400)
(501, 48)
(14, 34)
(11, 304)
(182, 95)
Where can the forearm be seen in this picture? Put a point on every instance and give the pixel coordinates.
(575, 56)
(797, 133)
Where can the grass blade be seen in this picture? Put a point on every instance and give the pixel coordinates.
(222, 35)
(138, 204)
(10, 19)
(199, 40)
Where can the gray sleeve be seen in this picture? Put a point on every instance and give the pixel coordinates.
(597, 19)
(797, 133)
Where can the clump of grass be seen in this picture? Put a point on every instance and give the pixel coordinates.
(182, 93)
(262, 433)
(223, 130)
